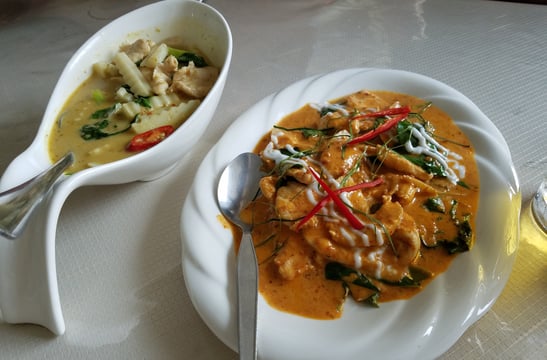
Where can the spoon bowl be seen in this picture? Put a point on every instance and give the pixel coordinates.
(28, 280)
(237, 187)
(18, 203)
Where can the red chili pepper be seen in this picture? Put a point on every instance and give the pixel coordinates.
(353, 220)
(380, 129)
(149, 138)
(326, 199)
(386, 112)
(312, 213)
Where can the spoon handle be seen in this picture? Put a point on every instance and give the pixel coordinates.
(247, 286)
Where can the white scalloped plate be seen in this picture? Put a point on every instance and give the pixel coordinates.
(422, 327)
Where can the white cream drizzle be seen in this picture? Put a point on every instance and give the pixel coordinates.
(357, 258)
(364, 237)
(378, 233)
(310, 194)
(348, 237)
(272, 152)
(337, 107)
(373, 257)
(439, 153)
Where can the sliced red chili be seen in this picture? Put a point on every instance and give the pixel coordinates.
(313, 211)
(364, 185)
(352, 219)
(391, 122)
(386, 112)
(149, 138)
(326, 199)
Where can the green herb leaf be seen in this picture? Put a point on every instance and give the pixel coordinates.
(373, 300)
(453, 210)
(428, 164)
(413, 279)
(435, 204)
(143, 101)
(464, 239)
(95, 131)
(105, 113)
(337, 271)
(463, 184)
(307, 132)
(404, 131)
(185, 58)
(327, 109)
(455, 246)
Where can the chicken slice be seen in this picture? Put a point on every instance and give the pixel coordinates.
(138, 49)
(162, 74)
(194, 81)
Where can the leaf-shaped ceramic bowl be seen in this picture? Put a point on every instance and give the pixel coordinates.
(28, 279)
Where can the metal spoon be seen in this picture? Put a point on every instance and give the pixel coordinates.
(238, 185)
(17, 204)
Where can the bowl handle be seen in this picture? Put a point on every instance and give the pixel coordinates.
(28, 275)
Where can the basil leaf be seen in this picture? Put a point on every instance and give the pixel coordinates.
(373, 300)
(337, 271)
(327, 109)
(95, 131)
(413, 279)
(143, 101)
(435, 204)
(464, 238)
(404, 131)
(186, 57)
(426, 163)
(463, 184)
(105, 113)
(307, 132)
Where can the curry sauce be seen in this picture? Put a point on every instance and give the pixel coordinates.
(369, 196)
(131, 103)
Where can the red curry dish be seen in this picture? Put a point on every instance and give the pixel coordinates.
(369, 196)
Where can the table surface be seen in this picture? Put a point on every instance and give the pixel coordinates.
(119, 263)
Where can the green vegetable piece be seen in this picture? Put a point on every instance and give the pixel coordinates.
(105, 113)
(428, 164)
(327, 109)
(184, 57)
(435, 204)
(188, 57)
(337, 271)
(463, 241)
(404, 131)
(413, 279)
(97, 96)
(94, 131)
(419, 274)
(373, 300)
(463, 184)
(453, 210)
(307, 132)
(143, 101)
